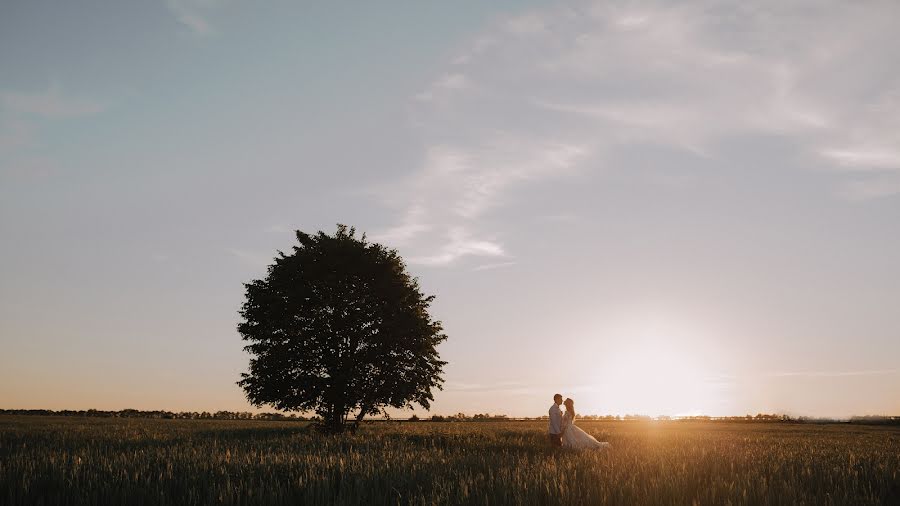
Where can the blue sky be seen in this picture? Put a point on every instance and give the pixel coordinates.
(648, 207)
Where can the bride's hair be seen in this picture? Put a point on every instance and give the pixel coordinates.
(570, 406)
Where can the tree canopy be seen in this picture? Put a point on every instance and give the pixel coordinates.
(340, 328)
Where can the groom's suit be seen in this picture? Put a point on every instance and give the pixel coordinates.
(555, 425)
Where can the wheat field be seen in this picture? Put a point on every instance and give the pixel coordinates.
(68, 460)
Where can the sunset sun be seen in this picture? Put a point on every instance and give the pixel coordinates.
(657, 370)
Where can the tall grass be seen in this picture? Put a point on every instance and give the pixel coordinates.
(45, 460)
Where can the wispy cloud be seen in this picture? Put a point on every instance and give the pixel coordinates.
(457, 186)
(556, 91)
(22, 115)
(835, 374)
(558, 218)
(446, 84)
(530, 23)
(473, 50)
(500, 387)
(880, 158)
(413, 224)
(498, 265)
(460, 244)
(194, 14)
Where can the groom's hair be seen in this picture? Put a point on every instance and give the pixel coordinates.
(557, 396)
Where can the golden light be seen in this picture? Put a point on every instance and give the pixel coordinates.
(656, 369)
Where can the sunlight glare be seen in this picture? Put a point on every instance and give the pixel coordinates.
(657, 370)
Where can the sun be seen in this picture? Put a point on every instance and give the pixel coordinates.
(657, 371)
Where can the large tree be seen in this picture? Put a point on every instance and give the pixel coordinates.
(340, 328)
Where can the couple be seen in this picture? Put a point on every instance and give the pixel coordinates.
(564, 432)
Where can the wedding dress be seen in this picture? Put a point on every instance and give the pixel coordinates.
(574, 437)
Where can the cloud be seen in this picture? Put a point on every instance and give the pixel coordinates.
(448, 83)
(194, 14)
(480, 45)
(866, 159)
(22, 114)
(412, 225)
(835, 374)
(458, 185)
(558, 90)
(500, 387)
(558, 218)
(498, 265)
(460, 244)
(530, 23)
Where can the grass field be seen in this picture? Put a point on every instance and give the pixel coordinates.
(49, 460)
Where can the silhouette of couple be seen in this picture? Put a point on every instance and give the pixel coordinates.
(563, 431)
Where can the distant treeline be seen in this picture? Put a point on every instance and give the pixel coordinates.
(759, 417)
(459, 417)
(876, 420)
(462, 417)
(136, 413)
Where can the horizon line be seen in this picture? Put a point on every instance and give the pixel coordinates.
(429, 416)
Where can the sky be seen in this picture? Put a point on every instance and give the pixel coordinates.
(654, 207)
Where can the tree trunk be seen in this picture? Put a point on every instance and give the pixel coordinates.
(359, 417)
(334, 421)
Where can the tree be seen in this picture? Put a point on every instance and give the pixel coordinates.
(340, 328)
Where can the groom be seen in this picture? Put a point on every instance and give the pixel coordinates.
(556, 421)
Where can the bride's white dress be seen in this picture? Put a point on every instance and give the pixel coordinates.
(574, 437)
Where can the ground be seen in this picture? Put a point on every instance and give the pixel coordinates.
(69, 460)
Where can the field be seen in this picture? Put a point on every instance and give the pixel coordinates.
(56, 460)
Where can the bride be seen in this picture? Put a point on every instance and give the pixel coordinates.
(572, 435)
